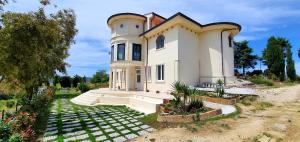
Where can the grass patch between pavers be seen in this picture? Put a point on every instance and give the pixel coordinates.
(90, 127)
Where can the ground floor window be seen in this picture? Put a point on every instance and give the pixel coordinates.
(160, 72)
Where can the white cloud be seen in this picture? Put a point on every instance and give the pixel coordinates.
(256, 17)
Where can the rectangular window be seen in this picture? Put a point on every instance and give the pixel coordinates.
(149, 73)
(136, 52)
(112, 54)
(138, 76)
(160, 72)
(121, 52)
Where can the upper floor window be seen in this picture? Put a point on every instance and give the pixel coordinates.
(136, 52)
(121, 26)
(121, 52)
(230, 41)
(112, 53)
(160, 42)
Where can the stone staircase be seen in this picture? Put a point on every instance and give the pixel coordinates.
(88, 98)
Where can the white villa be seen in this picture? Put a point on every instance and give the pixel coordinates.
(150, 52)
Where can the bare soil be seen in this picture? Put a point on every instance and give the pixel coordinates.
(278, 123)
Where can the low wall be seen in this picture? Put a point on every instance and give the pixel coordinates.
(137, 103)
(231, 101)
(188, 118)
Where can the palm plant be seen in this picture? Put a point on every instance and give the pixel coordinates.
(181, 90)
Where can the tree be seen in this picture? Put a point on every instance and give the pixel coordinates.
(299, 52)
(243, 58)
(66, 81)
(56, 80)
(274, 55)
(290, 65)
(84, 79)
(34, 46)
(76, 80)
(100, 77)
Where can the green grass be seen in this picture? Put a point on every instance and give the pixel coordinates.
(261, 81)
(262, 106)
(248, 100)
(151, 120)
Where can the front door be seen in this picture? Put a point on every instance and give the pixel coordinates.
(138, 83)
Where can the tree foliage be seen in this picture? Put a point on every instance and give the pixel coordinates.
(99, 77)
(34, 46)
(290, 64)
(76, 80)
(243, 58)
(276, 55)
(66, 81)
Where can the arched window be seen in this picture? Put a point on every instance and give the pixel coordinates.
(160, 41)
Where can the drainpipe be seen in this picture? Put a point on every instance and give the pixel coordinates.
(222, 53)
(146, 69)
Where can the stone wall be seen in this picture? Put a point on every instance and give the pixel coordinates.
(188, 118)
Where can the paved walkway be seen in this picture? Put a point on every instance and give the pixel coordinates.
(99, 123)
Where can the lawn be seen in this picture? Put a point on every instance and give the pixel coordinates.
(70, 122)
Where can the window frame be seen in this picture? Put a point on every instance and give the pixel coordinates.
(118, 46)
(112, 53)
(160, 42)
(160, 73)
(133, 47)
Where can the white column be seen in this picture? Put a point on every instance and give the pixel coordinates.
(127, 79)
(114, 79)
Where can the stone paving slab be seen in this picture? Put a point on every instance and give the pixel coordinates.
(104, 123)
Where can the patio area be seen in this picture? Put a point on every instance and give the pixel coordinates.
(146, 102)
(70, 122)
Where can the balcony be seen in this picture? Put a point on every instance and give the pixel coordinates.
(126, 63)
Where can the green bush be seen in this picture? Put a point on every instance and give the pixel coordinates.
(83, 87)
(195, 105)
(6, 96)
(5, 131)
(10, 103)
(16, 138)
(261, 80)
(220, 88)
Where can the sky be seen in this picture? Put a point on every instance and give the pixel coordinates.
(259, 19)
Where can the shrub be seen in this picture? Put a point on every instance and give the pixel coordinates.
(220, 88)
(195, 105)
(83, 87)
(23, 125)
(261, 80)
(16, 138)
(10, 103)
(5, 131)
(9, 114)
(6, 96)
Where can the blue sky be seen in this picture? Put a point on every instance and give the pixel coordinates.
(259, 19)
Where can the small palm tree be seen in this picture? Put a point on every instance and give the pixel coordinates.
(181, 90)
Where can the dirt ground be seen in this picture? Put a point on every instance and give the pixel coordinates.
(278, 123)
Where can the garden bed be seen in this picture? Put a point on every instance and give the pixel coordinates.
(229, 101)
(188, 118)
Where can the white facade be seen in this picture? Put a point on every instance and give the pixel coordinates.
(190, 52)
